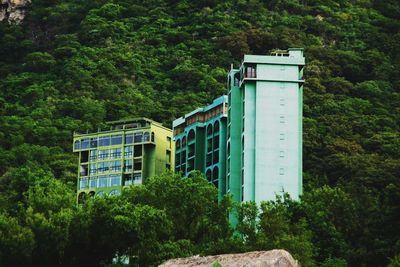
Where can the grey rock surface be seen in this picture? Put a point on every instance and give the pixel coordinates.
(13, 11)
(271, 258)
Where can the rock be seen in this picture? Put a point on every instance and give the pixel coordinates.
(271, 258)
(13, 11)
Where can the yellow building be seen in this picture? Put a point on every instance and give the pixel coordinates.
(126, 154)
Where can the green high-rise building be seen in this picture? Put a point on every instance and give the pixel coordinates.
(264, 145)
(126, 154)
(200, 140)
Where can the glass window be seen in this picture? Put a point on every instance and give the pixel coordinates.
(85, 143)
(137, 165)
(128, 151)
(102, 167)
(77, 144)
(115, 166)
(116, 139)
(128, 165)
(93, 183)
(93, 142)
(146, 137)
(138, 137)
(153, 138)
(83, 184)
(191, 135)
(104, 141)
(209, 129)
(129, 139)
(93, 168)
(138, 151)
(115, 180)
(116, 153)
(100, 193)
(216, 127)
(93, 155)
(103, 154)
(103, 181)
(137, 178)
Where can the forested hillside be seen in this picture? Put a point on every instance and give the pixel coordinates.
(72, 65)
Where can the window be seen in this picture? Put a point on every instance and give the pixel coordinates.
(93, 142)
(216, 127)
(77, 144)
(85, 143)
(128, 151)
(250, 71)
(83, 170)
(168, 153)
(137, 178)
(129, 139)
(93, 183)
(208, 175)
(103, 154)
(100, 193)
(115, 166)
(103, 181)
(153, 138)
(168, 142)
(209, 129)
(138, 137)
(116, 153)
(209, 159)
(93, 168)
(128, 165)
(178, 159)
(281, 171)
(282, 119)
(281, 154)
(137, 151)
(146, 137)
(116, 139)
(184, 141)
(191, 135)
(215, 157)
(83, 184)
(137, 165)
(102, 167)
(282, 136)
(178, 144)
(104, 141)
(93, 155)
(115, 180)
(216, 142)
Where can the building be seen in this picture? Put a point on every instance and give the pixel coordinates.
(200, 141)
(126, 154)
(264, 145)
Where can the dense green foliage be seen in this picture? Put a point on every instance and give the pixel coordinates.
(72, 65)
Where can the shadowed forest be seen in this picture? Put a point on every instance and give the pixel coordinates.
(73, 65)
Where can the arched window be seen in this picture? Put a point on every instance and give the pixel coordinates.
(208, 175)
(146, 137)
(184, 141)
(114, 193)
(152, 136)
(191, 135)
(216, 127)
(215, 173)
(209, 129)
(91, 194)
(178, 144)
(100, 193)
(81, 197)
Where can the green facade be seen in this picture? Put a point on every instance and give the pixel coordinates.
(126, 154)
(200, 140)
(264, 146)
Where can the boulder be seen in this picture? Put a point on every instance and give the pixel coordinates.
(271, 258)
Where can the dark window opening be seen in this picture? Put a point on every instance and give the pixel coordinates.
(138, 137)
(184, 141)
(215, 157)
(209, 159)
(138, 151)
(216, 142)
(216, 127)
(178, 144)
(153, 137)
(191, 135)
(137, 165)
(209, 129)
(178, 159)
(208, 175)
(250, 71)
(191, 150)
(209, 144)
(84, 156)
